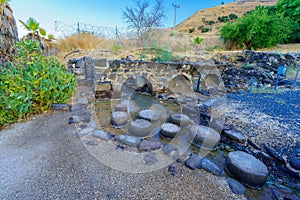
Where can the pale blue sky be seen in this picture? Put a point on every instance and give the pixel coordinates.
(96, 12)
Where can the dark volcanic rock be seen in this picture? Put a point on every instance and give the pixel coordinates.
(236, 187)
(246, 168)
(193, 162)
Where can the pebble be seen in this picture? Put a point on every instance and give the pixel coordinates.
(102, 135)
(147, 145)
(246, 168)
(85, 131)
(58, 106)
(128, 140)
(74, 108)
(82, 101)
(295, 162)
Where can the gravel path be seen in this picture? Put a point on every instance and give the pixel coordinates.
(43, 159)
(267, 118)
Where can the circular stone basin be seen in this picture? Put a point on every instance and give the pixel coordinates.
(150, 115)
(179, 119)
(118, 119)
(246, 168)
(203, 137)
(139, 128)
(169, 130)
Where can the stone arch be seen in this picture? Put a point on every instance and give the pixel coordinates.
(179, 84)
(212, 81)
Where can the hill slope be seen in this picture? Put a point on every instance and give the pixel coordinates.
(197, 20)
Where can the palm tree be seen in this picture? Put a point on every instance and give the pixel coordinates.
(8, 32)
(38, 34)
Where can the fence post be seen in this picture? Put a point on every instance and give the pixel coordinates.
(251, 86)
(296, 77)
(198, 82)
(279, 71)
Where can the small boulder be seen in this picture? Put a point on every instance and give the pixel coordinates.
(203, 137)
(118, 119)
(194, 162)
(102, 135)
(236, 187)
(147, 145)
(235, 135)
(169, 130)
(139, 128)
(179, 119)
(246, 168)
(150, 115)
(211, 167)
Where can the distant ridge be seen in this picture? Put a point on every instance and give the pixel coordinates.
(239, 7)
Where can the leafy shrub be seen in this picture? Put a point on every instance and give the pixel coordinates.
(233, 16)
(115, 48)
(197, 40)
(204, 29)
(223, 19)
(257, 29)
(162, 55)
(191, 30)
(31, 83)
(210, 22)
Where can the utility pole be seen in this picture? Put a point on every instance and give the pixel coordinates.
(175, 9)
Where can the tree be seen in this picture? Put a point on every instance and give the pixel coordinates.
(142, 18)
(259, 28)
(291, 9)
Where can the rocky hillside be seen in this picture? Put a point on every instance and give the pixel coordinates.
(208, 18)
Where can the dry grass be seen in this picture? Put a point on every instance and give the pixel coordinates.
(181, 43)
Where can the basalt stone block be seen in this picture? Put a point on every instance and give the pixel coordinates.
(179, 119)
(150, 115)
(139, 128)
(246, 168)
(169, 130)
(203, 137)
(118, 119)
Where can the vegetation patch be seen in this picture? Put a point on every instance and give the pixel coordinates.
(32, 83)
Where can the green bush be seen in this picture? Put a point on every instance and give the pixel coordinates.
(257, 29)
(233, 16)
(204, 29)
(191, 30)
(115, 48)
(197, 41)
(223, 19)
(31, 83)
(162, 55)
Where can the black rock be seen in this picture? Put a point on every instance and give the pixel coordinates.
(193, 162)
(272, 152)
(58, 106)
(236, 187)
(295, 162)
(172, 170)
(71, 120)
(211, 167)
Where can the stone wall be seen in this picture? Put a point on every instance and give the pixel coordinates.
(231, 72)
(155, 78)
